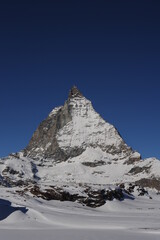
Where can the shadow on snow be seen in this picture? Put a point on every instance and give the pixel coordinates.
(6, 209)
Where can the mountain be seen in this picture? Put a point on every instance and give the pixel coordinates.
(76, 155)
(70, 129)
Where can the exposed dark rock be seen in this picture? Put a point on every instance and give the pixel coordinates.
(116, 193)
(136, 170)
(15, 155)
(73, 152)
(151, 183)
(54, 194)
(132, 160)
(94, 164)
(122, 148)
(96, 202)
(46, 133)
(142, 191)
(131, 188)
(98, 172)
(7, 181)
(74, 92)
(3, 182)
(99, 197)
(95, 198)
(10, 171)
(122, 186)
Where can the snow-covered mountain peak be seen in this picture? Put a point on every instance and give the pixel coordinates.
(74, 154)
(70, 129)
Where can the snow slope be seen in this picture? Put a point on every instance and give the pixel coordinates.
(33, 218)
(92, 167)
(86, 128)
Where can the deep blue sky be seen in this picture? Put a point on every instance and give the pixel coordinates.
(109, 49)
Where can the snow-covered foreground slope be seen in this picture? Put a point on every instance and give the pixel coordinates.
(32, 218)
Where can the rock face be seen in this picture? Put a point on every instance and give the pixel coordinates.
(75, 155)
(74, 92)
(70, 129)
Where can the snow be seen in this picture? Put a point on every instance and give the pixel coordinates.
(86, 127)
(31, 218)
(24, 168)
(54, 111)
(74, 172)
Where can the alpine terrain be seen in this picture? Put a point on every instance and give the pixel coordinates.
(77, 160)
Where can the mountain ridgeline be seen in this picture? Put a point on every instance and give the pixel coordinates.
(75, 155)
(70, 129)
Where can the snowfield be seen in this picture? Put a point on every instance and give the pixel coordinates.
(30, 218)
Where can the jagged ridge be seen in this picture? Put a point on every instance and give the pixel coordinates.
(70, 129)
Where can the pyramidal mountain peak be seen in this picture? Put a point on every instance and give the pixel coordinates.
(75, 153)
(70, 129)
(74, 92)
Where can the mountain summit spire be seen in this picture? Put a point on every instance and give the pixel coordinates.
(74, 92)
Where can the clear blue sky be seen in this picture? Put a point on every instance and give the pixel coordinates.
(109, 49)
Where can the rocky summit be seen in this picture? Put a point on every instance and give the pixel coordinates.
(70, 129)
(75, 155)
